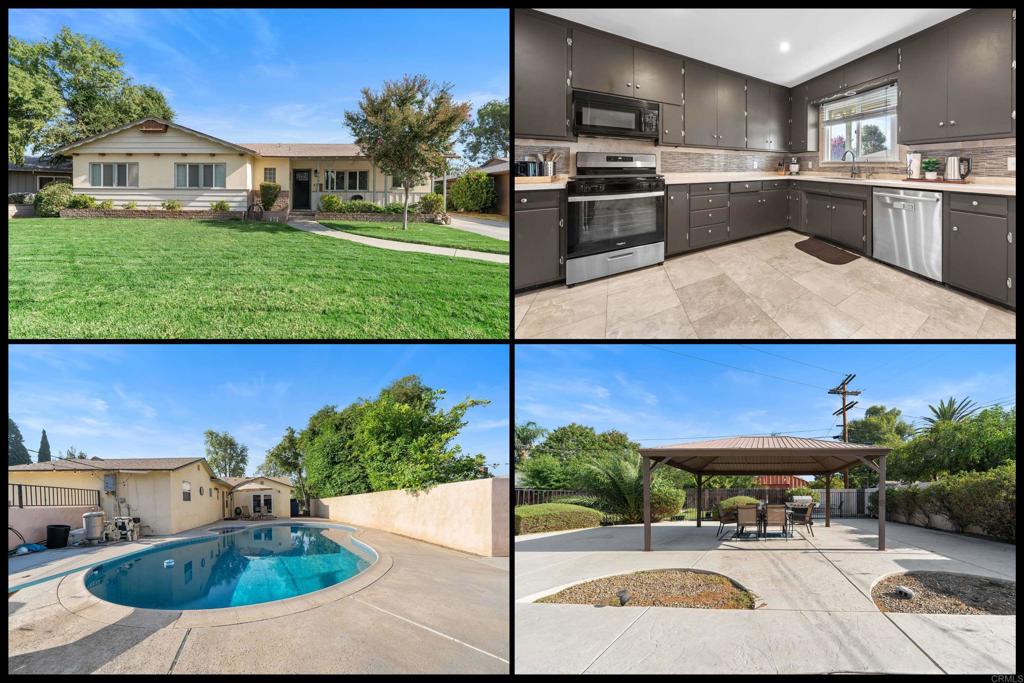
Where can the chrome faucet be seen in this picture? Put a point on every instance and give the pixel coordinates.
(853, 166)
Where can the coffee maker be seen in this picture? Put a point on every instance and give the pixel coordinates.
(957, 168)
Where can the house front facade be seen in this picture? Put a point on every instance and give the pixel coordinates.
(151, 161)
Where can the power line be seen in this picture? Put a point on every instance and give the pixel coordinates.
(724, 436)
(792, 360)
(726, 365)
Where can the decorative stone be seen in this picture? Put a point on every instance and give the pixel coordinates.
(904, 592)
(624, 595)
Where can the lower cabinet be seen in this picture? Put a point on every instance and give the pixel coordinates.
(707, 235)
(817, 214)
(849, 223)
(795, 213)
(746, 216)
(776, 209)
(677, 219)
(977, 251)
(539, 250)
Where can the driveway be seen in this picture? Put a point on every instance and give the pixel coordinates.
(813, 609)
(495, 229)
(433, 610)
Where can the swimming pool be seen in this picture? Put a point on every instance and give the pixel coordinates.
(245, 567)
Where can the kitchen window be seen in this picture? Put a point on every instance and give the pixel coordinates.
(114, 175)
(864, 124)
(270, 175)
(199, 175)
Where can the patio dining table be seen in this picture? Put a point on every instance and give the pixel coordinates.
(762, 512)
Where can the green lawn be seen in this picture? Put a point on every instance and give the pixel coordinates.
(149, 279)
(423, 233)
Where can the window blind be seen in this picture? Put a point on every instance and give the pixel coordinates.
(866, 105)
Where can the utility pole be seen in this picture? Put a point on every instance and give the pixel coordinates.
(843, 391)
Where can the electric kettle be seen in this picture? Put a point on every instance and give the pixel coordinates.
(957, 168)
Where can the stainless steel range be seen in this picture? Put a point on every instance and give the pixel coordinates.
(616, 215)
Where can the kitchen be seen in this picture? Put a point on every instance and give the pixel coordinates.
(760, 174)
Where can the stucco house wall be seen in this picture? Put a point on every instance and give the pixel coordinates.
(281, 495)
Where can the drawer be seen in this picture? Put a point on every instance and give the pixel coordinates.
(775, 184)
(977, 203)
(709, 201)
(538, 199)
(746, 186)
(709, 234)
(708, 188)
(709, 217)
(851, 191)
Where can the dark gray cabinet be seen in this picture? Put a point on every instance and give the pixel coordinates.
(817, 214)
(657, 76)
(600, 63)
(700, 104)
(542, 68)
(732, 109)
(671, 125)
(804, 122)
(820, 86)
(956, 80)
(538, 244)
(677, 219)
(848, 226)
(776, 209)
(778, 117)
(795, 213)
(745, 214)
(978, 256)
(759, 112)
(869, 67)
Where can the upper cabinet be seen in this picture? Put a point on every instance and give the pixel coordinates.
(700, 105)
(657, 76)
(869, 67)
(956, 80)
(542, 75)
(732, 109)
(601, 63)
(804, 122)
(767, 116)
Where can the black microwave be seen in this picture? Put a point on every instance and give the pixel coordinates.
(610, 116)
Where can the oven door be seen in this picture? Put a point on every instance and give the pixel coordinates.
(613, 116)
(607, 222)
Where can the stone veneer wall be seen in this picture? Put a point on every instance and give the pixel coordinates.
(988, 157)
(374, 217)
(154, 213)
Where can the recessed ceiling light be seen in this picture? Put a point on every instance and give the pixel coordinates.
(783, 46)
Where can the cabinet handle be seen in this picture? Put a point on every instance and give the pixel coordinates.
(709, 231)
(523, 200)
(941, 124)
(709, 215)
(952, 123)
(974, 203)
(629, 85)
(666, 131)
(955, 228)
(710, 188)
(671, 197)
(561, 260)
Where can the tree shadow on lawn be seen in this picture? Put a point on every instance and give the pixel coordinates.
(250, 226)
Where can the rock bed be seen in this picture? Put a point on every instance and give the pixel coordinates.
(945, 593)
(659, 588)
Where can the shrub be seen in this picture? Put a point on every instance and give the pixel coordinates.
(803, 491)
(131, 205)
(82, 201)
(106, 204)
(531, 519)
(51, 199)
(396, 207)
(171, 205)
(219, 206)
(473, 191)
(585, 501)
(330, 203)
(268, 195)
(733, 503)
(431, 203)
(361, 206)
(616, 481)
(18, 198)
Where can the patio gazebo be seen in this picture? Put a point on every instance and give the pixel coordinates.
(753, 455)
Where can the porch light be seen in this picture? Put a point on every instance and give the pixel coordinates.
(316, 173)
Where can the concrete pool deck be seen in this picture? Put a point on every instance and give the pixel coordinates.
(813, 609)
(427, 610)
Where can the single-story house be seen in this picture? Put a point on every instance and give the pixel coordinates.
(151, 161)
(169, 495)
(781, 481)
(35, 174)
(498, 168)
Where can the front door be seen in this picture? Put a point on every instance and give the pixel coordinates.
(300, 189)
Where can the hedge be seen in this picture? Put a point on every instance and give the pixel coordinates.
(51, 199)
(803, 491)
(531, 519)
(734, 502)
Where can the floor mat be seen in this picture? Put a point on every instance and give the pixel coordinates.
(825, 251)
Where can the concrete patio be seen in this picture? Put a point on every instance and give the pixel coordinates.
(813, 609)
(433, 610)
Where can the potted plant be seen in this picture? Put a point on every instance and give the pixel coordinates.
(930, 166)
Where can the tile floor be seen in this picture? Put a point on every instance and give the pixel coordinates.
(762, 288)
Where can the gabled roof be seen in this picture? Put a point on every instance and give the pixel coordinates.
(235, 482)
(170, 124)
(294, 149)
(103, 464)
(37, 164)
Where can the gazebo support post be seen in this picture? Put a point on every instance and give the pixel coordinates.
(646, 465)
(700, 481)
(881, 503)
(828, 500)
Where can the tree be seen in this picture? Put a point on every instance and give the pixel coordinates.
(31, 102)
(17, 454)
(882, 426)
(73, 454)
(872, 139)
(978, 442)
(88, 79)
(838, 147)
(558, 461)
(950, 411)
(819, 481)
(333, 467)
(227, 457)
(285, 459)
(44, 449)
(526, 436)
(616, 480)
(407, 129)
(488, 136)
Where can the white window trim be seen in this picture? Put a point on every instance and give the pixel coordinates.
(186, 186)
(53, 178)
(271, 169)
(824, 148)
(186, 487)
(331, 180)
(113, 174)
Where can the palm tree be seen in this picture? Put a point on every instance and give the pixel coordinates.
(951, 411)
(526, 436)
(616, 480)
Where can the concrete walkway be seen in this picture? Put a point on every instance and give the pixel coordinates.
(813, 609)
(434, 611)
(314, 227)
(495, 229)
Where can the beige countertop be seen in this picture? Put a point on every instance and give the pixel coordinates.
(1004, 189)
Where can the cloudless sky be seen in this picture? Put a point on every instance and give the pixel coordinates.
(659, 397)
(277, 75)
(143, 400)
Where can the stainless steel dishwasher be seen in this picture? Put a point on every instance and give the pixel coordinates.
(907, 229)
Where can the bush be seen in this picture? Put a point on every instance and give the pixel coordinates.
(20, 198)
(733, 503)
(803, 491)
(395, 207)
(219, 206)
(106, 204)
(131, 205)
(82, 201)
(473, 191)
(585, 501)
(431, 203)
(330, 203)
(531, 519)
(51, 199)
(171, 205)
(268, 195)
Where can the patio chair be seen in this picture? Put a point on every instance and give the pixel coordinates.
(775, 515)
(805, 520)
(245, 512)
(746, 517)
(727, 517)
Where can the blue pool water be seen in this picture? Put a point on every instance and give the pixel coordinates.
(253, 565)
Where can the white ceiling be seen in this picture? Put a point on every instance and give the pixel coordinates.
(747, 40)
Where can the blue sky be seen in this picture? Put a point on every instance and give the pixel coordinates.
(272, 75)
(659, 397)
(119, 401)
